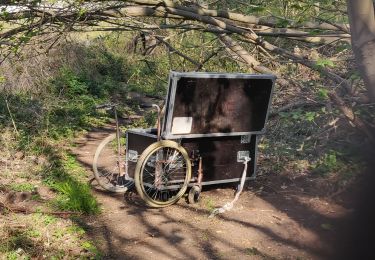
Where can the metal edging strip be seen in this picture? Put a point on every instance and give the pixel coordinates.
(164, 124)
(167, 131)
(189, 136)
(126, 154)
(223, 75)
(255, 158)
(221, 181)
(139, 132)
(269, 104)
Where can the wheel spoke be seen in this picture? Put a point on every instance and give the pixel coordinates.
(107, 167)
(163, 173)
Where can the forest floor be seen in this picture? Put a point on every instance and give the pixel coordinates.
(276, 217)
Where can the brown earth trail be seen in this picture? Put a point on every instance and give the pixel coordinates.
(265, 223)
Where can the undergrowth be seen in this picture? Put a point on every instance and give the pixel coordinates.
(43, 123)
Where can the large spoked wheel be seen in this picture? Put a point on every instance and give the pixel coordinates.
(107, 166)
(162, 173)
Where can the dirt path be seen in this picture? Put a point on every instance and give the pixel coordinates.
(264, 224)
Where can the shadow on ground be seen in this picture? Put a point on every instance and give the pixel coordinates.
(272, 224)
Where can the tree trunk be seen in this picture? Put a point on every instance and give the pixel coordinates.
(362, 27)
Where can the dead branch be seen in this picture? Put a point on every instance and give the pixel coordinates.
(249, 59)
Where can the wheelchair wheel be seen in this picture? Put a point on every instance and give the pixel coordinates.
(107, 168)
(162, 173)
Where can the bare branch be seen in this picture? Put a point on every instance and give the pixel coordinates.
(174, 50)
(250, 60)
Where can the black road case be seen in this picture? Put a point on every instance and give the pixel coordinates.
(215, 120)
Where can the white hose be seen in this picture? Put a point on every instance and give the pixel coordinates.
(229, 205)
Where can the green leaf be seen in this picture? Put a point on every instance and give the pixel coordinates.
(81, 11)
(257, 9)
(282, 23)
(323, 93)
(343, 46)
(315, 32)
(297, 6)
(296, 115)
(325, 63)
(4, 14)
(284, 114)
(310, 116)
(355, 76)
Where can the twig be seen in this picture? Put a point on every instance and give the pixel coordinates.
(302, 103)
(211, 55)
(174, 50)
(251, 62)
(11, 116)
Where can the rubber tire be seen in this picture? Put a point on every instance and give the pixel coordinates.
(139, 167)
(194, 194)
(116, 189)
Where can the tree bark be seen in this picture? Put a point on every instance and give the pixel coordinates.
(362, 26)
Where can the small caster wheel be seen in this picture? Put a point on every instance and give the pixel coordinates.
(194, 194)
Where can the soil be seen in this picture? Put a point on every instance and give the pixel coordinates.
(274, 218)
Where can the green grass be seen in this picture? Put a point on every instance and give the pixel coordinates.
(90, 247)
(252, 251)
(45, 235)
(328, 163)
(68, 178)
(210, 205)
(18, 239)
(28, 187)
(75, 196)
(255, 252)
